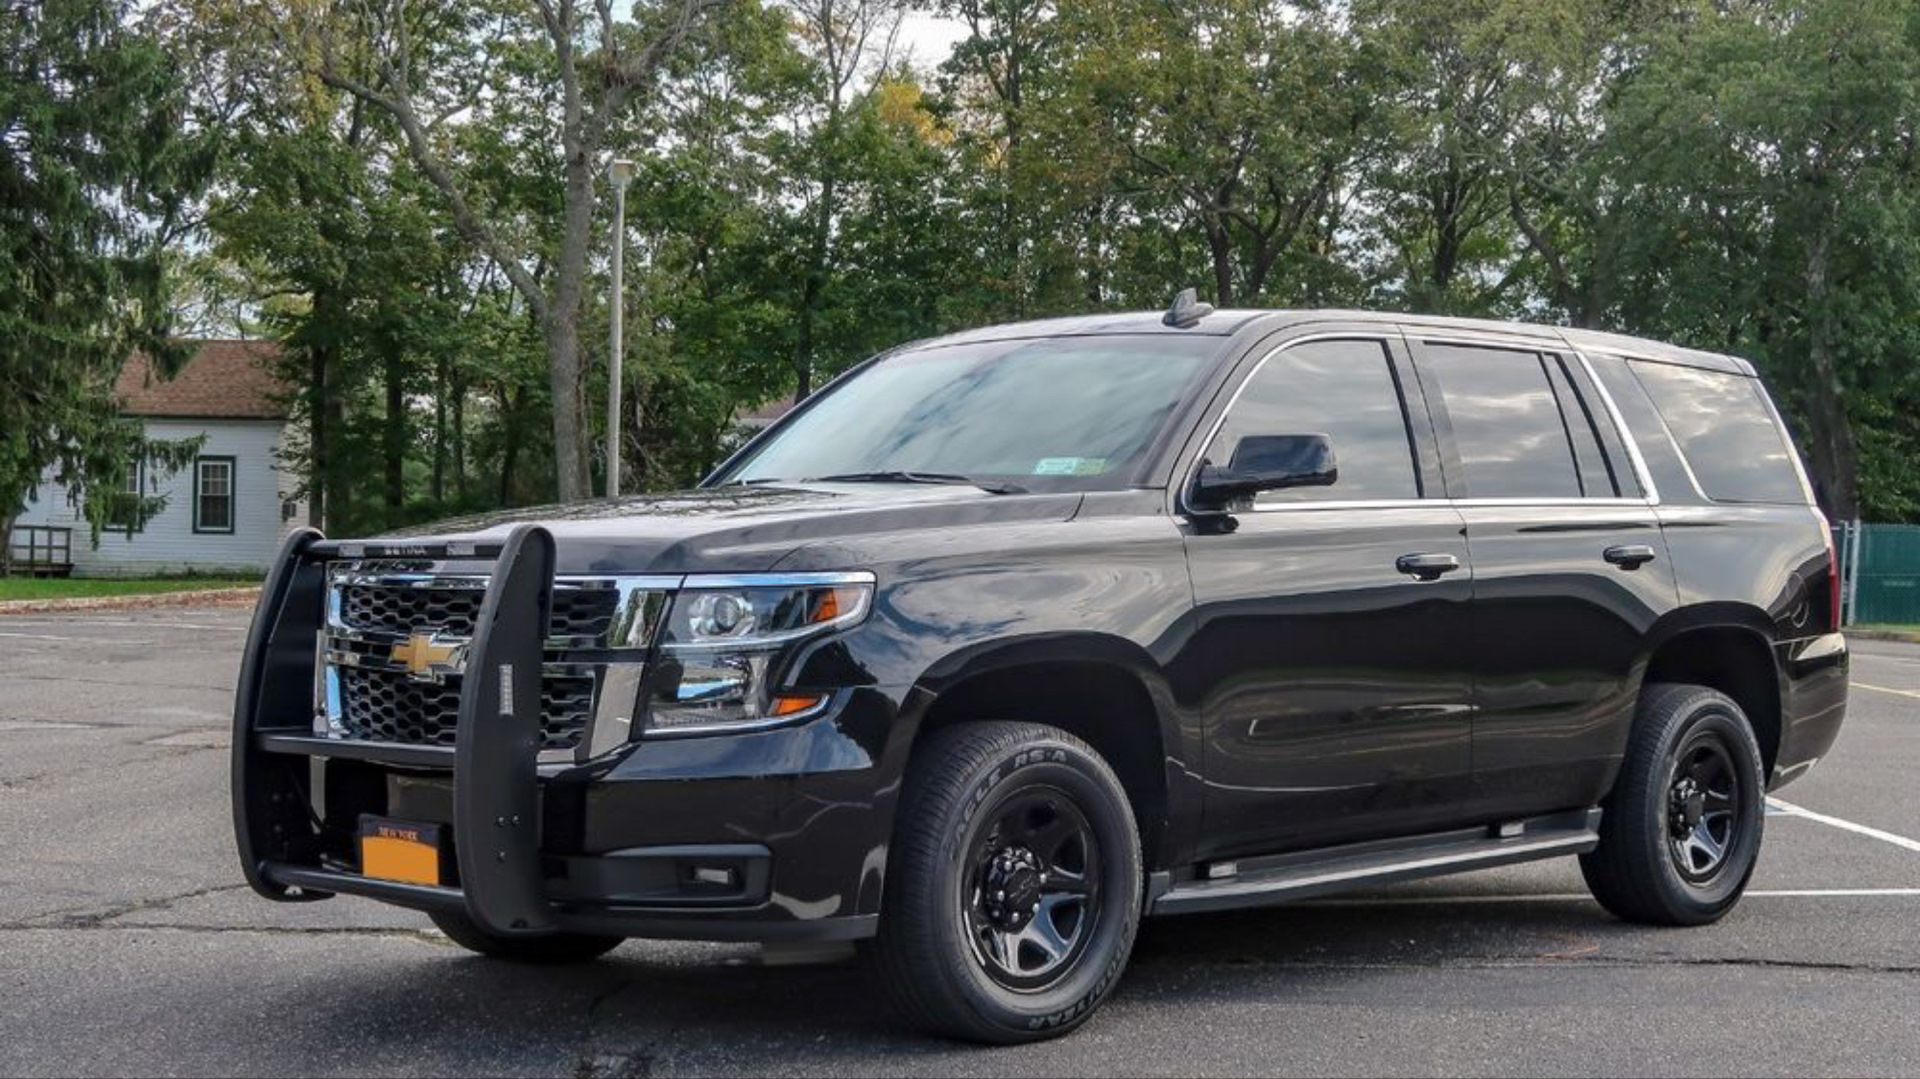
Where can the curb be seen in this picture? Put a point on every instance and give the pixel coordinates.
(1883, 635)
(199, 597)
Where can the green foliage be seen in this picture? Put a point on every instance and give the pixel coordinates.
(93, 171)
(1738, 176)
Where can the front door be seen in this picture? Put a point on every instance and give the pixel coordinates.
(1328, 666)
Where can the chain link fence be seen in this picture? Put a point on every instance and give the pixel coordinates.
(1880, 568)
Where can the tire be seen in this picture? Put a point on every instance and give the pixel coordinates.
(1655, 864)
(1015, 885)
(555, 950)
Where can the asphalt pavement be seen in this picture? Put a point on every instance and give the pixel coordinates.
(129, 944)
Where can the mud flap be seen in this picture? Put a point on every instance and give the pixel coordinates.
(496, 790)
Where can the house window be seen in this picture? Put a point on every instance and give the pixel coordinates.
(126, 517)
(213, 494)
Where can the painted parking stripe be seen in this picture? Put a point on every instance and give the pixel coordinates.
(1791, 810)
(1915, 694)
(1583, 897)
(71, 640)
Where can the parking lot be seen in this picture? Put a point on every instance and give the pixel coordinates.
(129, 945)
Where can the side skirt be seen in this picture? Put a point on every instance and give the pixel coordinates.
(1283, 878)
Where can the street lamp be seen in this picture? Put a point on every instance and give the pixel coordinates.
(621, 174)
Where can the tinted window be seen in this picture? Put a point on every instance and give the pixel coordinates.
(1583, 431)
(1725, 430)
(1506, 423)
(1063, 412)
(1344, 390)
(1644, 424)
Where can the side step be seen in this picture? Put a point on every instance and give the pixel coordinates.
(1283, 878)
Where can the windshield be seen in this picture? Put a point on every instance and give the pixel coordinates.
(1056, 413)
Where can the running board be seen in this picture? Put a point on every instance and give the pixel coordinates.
(1258, 882)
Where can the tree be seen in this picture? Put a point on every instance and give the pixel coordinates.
(95, 177)
(600, 69)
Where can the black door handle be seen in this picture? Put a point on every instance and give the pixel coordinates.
(1426, 567)
(1632, 556)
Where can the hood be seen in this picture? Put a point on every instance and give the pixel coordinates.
(741, 529)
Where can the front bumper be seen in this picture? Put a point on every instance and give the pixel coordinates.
(778, 835)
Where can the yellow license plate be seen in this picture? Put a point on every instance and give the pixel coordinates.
(396, 850)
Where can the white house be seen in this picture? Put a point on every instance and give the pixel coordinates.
(225, 512)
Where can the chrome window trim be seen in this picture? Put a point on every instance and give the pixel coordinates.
(1385, 339)
(1650, 497)
(1639, 461)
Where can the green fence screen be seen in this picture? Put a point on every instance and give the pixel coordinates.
(1884, 578)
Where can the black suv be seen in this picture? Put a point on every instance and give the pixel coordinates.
(1006, 640)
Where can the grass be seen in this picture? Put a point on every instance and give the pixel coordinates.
(1886, 628)
(13, 588)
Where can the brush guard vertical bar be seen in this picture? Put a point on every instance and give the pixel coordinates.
(496, 791)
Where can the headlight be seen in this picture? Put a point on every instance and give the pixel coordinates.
(729, 642)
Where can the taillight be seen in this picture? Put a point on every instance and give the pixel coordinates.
(1833, 583)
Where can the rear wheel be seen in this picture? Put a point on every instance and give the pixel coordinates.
(1014, 888)
(1681, 834)
(557, 949)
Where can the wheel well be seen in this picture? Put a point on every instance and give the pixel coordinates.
(1736, 662)
(1104, 706)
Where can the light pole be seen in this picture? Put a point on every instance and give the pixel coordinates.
(621, 174)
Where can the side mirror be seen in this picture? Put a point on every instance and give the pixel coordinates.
(1267, 463)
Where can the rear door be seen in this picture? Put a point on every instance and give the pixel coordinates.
(1570, 567)
(1329, 682)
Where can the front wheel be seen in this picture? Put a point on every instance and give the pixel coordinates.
(1014, 889)
(1681, 833)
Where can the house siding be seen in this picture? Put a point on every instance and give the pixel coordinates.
(168, 543)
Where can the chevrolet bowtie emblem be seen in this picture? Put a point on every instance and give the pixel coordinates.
(429, 657)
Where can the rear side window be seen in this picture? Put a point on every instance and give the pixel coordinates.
(1345, 390)
(1726, 431)
(1513, 439)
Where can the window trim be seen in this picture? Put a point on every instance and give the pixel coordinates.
(139, 468)
(1411, 337)
(233, 474)
(1394, 344)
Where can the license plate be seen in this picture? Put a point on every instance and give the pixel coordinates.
(398, 850)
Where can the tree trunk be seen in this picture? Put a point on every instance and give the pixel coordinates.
(459, 389)
(440, 430)
(6, 545)
(1835, 466)
(1220, 246)
(318, 433)
(394, 442)
(510, 451)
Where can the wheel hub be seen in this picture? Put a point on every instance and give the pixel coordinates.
(1010, 892)
(1689, 805)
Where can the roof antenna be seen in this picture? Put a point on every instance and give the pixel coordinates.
(1187, 310)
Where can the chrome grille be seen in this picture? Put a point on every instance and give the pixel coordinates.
(577, 613)
(383, 706)
(395, 650)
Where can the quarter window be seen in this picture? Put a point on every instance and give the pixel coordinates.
(213, 494)
(1507, 423)
(1346, 390)
(1726, 432)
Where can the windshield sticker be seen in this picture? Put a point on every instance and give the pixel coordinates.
(1070, 466)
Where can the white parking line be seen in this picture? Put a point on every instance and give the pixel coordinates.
(1583, 897)
(19, 621)
(1884, 689)
(1792, 810)
(72, 640)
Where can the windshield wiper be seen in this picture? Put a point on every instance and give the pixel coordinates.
(990, 486)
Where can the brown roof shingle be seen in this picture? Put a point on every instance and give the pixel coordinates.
(230, 380)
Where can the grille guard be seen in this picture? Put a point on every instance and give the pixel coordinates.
(495, 759)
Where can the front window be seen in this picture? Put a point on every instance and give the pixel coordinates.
(1062, 413)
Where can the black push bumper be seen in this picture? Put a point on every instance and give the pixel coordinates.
(506, 882)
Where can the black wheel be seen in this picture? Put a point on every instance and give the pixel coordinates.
(1014, 887)
(558, 949)
(1681, 833)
